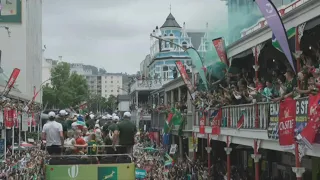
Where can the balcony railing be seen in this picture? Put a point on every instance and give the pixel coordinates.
(141, 85)
(256, 116)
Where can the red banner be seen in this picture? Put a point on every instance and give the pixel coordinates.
(8, 118)
(216, 122)
(308, 134)
(185, 77)
(287, 123)
(221, 49)
(14, 75)
(202, 125)
(15, 118)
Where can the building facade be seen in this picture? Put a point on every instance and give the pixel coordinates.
(23, 49)
(158, 68)
(80, 69)
(106, 84)
(163, 54)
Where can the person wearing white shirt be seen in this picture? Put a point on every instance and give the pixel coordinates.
(52, 132)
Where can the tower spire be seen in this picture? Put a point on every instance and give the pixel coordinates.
(170, 7)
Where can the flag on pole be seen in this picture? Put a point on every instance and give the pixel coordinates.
(241, 120)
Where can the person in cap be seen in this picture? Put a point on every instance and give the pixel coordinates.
(126, 131)
(52, 133)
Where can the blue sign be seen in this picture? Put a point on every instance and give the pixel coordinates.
(1, 146)
(301, 118)
(141, 173)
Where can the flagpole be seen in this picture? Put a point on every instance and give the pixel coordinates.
(12, 146)
(5, 138)
(19, 124)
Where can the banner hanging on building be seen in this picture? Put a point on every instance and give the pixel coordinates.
(185, 78)
(7, 118)
(301, 117)
(287, 123)
(202, 124)
(216, 118)
(14, 75)
(274, 21)
(309, 133)
(221, 49)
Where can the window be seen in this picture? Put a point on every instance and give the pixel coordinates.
(185, 44)
(106, 91)
(105, 81)
(157, 69)
(165, 68)
(118, 90)
(111, 81)
(117, 81)
(111, 90)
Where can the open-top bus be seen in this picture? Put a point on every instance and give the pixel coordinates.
(90, 167)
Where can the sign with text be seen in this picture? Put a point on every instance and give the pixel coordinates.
(10, 11)
(301, 117)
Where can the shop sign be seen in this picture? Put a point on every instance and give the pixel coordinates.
(301, 117)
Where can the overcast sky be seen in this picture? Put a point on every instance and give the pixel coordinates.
(114, 34)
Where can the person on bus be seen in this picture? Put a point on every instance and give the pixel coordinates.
(80, 143)
(52, 133)
(126, 131)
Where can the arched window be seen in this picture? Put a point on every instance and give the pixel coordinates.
(165, 35)
(184, 44)
(171, 34)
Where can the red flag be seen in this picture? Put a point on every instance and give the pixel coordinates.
(308, 134)
(221, 49)
(241, 120)
(170, 116)
(287, 123)
(185, 77)
(216, 122)
(8, 118)
(202, 125)
(14, 75)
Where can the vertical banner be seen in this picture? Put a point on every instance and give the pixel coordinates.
(216, 121)
(24, 122)
(186, 78)
(14, 75)
(287, 123)
(197, 63)
(274, 21)
(309, 133)
(202, 125)
(7, 116)
(221, 49)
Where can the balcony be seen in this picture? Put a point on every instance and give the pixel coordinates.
(148, 85)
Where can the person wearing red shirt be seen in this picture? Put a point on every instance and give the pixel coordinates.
(80, 142)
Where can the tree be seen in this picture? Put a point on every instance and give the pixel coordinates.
(112, 102)
(67, 89)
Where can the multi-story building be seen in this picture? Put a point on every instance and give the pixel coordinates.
(80, 69)
(23, 49)
(106, 84)
(158, 67)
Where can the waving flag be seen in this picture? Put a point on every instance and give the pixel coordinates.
(196, 61)
(273, 18)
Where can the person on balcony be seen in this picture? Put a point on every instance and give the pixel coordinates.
(269, 91)
(290, 84)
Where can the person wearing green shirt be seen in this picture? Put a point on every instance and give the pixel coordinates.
(92, 145)
(126, 131)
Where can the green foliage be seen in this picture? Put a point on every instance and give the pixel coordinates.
(66, 89)
(101, 104)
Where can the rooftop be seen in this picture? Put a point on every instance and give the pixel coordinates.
(170, 22)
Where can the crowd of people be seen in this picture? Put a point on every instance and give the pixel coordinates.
(26, 164)
(276, 85)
